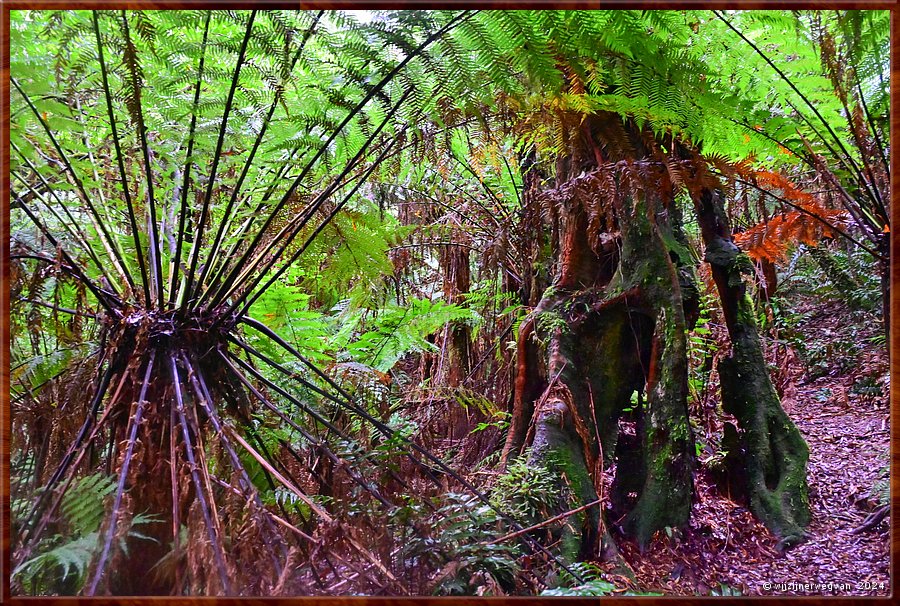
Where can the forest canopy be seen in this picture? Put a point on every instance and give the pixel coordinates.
(440, 302)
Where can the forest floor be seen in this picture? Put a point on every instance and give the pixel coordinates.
(726, 550)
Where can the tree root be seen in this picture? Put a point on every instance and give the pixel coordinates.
(872, 520)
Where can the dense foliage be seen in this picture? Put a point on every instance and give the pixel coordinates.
(269, 269)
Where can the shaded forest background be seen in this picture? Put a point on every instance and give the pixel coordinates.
(449, 302)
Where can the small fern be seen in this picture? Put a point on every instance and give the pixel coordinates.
(82, 504)
(76, 554)
(461, 548)
(527, 492)
(594, 585)
(48, 571)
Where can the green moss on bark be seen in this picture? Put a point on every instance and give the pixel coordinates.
(772, 452)
(668, 444)
(775, 454)
(556, 446)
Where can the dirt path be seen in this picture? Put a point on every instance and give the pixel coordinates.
(848, 437)
(849, 442)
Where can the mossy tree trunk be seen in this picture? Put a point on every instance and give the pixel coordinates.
(611, 324)
(454, 262)
(772, 451)
(664, 499)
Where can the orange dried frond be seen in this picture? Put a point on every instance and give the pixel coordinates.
(807, 223)
(771, 180)
(771, 240)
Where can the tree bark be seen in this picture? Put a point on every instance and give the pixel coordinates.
(664, 498)
(772, 450)
(150, 493)
(611, 324)
(457, 343)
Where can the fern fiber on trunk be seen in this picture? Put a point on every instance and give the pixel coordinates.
(457, 355)
(611, 324)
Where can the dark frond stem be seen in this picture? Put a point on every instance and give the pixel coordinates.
(867, 166)
(226, 288)
(79, 446)
(305, 218)
(307, 409)
(71, 226)
(436, 243)
(155, 245)
(306, 435)
(314, 507)
(271, 517)
(211, 179)
(800, 209)
(281, 521)
(261, 444)
(487, 213)
(318, 417)
(873, 189)
(145, 283)
(201, 453)
(251, 249)
(203, 396)
(809, 104)
(296, 255)
(259, 137)
(102, 296)
(487, 190)
(867, 223)
(847, 162)
(497, 341)
(324, 515)
(173, 285)
(475, 224)
(881, 151)
(803, 155)
(286, 235)
(134, 424)
(65, 160)
(28, 391)
(223, 262)
(64, 310)
(346, 401)
(293, 376)
(294, 227)
(176, 508)
(216, 284)
(113, 247)
(512, 180)
(809, 159)
(198, 485)
(75, 273)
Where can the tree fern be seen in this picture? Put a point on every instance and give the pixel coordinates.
(229, 209)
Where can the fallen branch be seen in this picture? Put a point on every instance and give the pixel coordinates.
(561, 516)
(873, 520)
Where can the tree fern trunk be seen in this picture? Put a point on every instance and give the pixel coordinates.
(612, 323)
(457, 359)
(772, 451)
